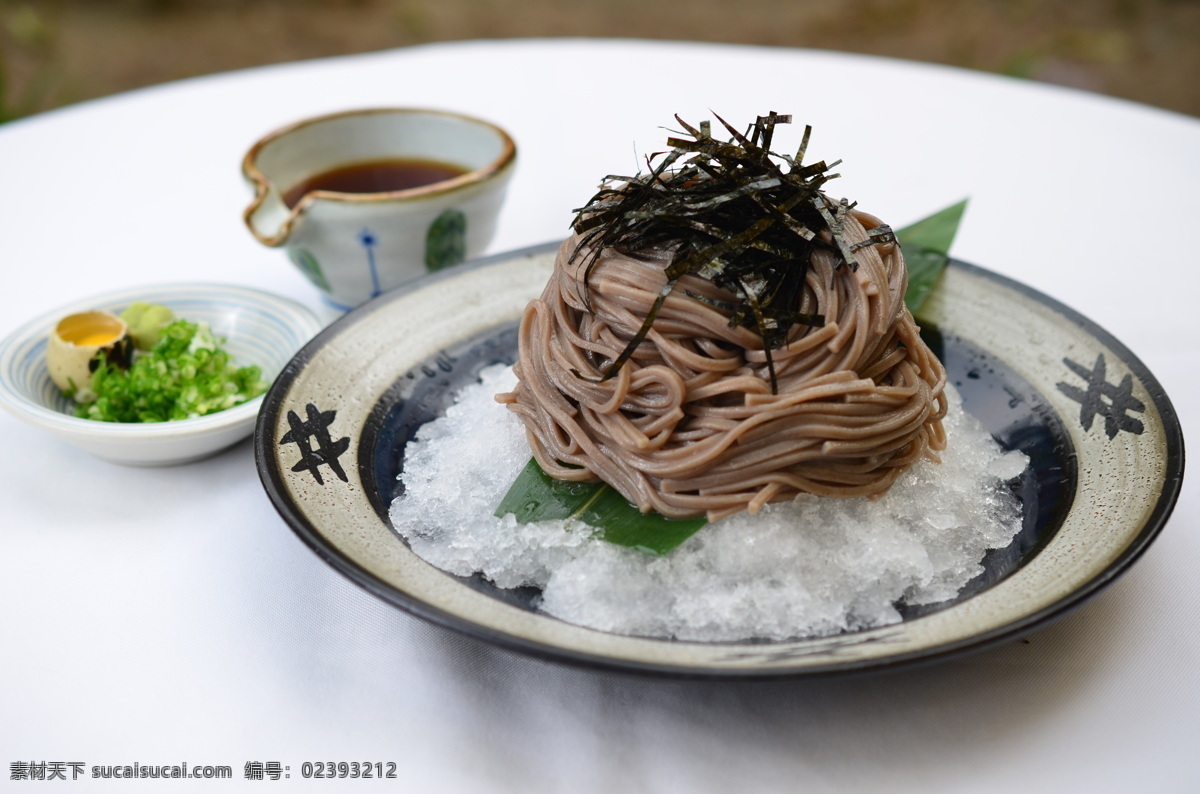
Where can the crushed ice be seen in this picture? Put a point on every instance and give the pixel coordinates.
(811, 567)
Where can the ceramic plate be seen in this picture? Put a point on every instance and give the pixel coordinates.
(1105, 445)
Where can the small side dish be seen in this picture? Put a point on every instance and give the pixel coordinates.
(146, 365)
(259, 331)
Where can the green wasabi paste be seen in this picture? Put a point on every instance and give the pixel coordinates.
(145, 322)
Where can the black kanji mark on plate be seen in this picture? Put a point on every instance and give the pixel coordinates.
(327, 452)
(1104, 399)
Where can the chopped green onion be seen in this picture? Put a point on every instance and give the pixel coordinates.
(185, 375)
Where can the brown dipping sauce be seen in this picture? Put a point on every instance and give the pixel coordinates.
(376, 176)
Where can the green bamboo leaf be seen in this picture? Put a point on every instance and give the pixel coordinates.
(536, 496)
(926, 247)
(936, 232)
(924, 269)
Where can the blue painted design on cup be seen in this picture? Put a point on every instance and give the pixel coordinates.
(368, 240)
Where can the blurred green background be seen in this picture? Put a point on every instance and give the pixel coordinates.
(57, 52)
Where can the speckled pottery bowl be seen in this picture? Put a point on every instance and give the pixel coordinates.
(1105, 447)
(259, 328)
(354, 245)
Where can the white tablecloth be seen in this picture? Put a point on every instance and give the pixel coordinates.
(162, 616)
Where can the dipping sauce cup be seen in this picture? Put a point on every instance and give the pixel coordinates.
(366, 200)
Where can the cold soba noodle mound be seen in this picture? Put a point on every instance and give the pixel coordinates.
(716, 336)
(719, 334)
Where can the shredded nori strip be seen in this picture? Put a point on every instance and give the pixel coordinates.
(734, 212)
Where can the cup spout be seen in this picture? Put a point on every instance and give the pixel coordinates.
(268, 217)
